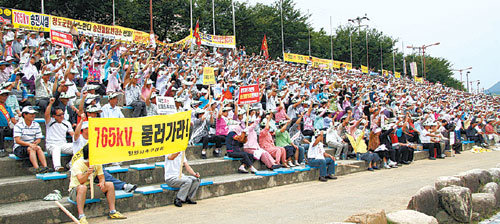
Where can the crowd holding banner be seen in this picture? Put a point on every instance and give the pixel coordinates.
(316, 62)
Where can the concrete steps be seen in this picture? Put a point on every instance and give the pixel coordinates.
(20, 196)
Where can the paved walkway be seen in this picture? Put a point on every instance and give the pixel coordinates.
(317, 202)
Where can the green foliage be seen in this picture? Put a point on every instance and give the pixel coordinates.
(171, 21)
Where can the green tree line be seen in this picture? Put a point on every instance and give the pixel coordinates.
(171, 22)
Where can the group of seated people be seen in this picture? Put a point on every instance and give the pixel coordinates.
(302, 111)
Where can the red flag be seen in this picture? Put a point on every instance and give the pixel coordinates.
(264, 47)
(196, 34)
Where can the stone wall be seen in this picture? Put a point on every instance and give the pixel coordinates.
(464, 198)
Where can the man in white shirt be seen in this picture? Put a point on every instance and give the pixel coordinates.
(56, 129)
(429, 142)
(188, 184)
(318, 158)
(30, 72)
(110, 110)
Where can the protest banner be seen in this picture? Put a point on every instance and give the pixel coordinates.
(249, 94)
(316, 62)
(296, 58)
(397, 75)
(166, 105)
(218, 41)
(124, 139)
(419, 79)
(63, 39)
(385, 72)
(413, 68)
(208, 76)
(364, 69)
(5, 15)
(30, 20)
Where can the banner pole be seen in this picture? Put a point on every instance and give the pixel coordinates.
(182, 163)
(248, 107)
(91, 180)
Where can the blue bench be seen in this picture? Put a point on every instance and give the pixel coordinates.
(40, 120)
(12, 156)
(266, 173)
(299, 168)
(201, 144)
(148, 190)
(160, 164)
(468, 142)
(87, 201)
(52, 176)
(284, 170)
(231, 158)
(122, 194)
(128, 107)
(30, 95)
(116, 169)
(202, 183)
(142, 166)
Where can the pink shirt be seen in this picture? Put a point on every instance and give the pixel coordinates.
(145, 92)
(280, 115)
(221, 127)
(265, 139)
(252, 142)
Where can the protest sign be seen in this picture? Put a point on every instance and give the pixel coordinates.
(63, 39)
(249, 94)
(123, 139)
(397, 75)
(30, 20)
(364, 69)
(217, 91)
(218, 41)
(5, 15)
(413, 68)
(208, 76)
(166, 105)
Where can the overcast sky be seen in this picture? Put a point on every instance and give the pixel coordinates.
(469, 31)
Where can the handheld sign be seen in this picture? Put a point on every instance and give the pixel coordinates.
(63, 39)
(208, 76)
(249, 94)
(166, 105)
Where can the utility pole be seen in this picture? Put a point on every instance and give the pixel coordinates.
(151, 16)
(468, 72)
(423, 47)
(359, 20)
(43, 8)
(331, 39)
(309, 37)
(461, 70)
(282, 35)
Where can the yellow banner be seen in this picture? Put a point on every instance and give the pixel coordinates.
(397, 75)
(30, 20)
(296, 58)
(123, 139)
(419, 79)
(218, 41)
(316, 62)
(385, 72)
(364, 69)
(208, 76)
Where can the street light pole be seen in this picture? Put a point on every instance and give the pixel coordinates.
(423, 47)
(43, 10)
(359, 20)
(113, 12)
(461, 70)
(468, 72)
(350, 42)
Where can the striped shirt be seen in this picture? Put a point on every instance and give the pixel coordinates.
(27, 133)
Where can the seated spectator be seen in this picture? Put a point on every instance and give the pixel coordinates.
(7, 121)
(79, 186)
(266, 142)
(490, 131)
(11, 99)
(299, 139)
(252, 147)
(234, 144)
(430, 142)
(334, 141)
(188, 184)
(283, 140)
(318, 158)
(44, 89)
(133, 96)
(20, 91)
(111, 110)
(56, 130)
(27, 137)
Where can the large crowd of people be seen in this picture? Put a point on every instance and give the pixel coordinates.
(301, 113)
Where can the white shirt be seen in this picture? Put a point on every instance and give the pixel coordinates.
(56, 132)
(79, 143)
(423, 136)
(316, 152)
(110, 112)
(172, 167)
(30, 70)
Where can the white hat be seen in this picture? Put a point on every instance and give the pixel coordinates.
(29, 110)
(66, 95)
(92, 87)
(85, 125)
(93, 109)
(113, 95)
(227, 108)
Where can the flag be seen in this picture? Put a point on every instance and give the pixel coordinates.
(264, 47)
(196, 34)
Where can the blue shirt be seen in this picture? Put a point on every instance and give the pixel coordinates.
(3, 120)
(204, 102)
